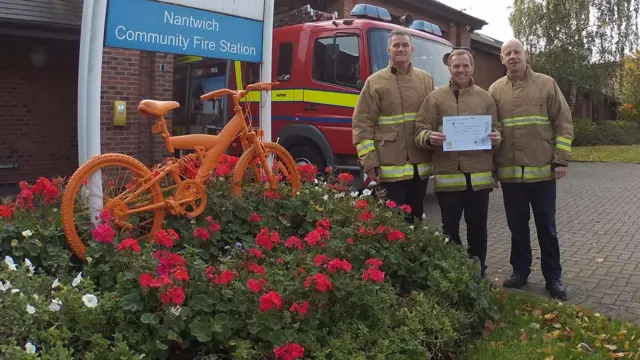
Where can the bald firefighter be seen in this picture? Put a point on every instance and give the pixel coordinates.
(384, 127)
(535, 152)
(463, 179)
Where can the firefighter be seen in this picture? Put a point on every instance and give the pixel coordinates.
(535, 153)
(463, 180)
(384, 126)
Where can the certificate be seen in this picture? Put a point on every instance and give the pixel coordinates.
(464, 133)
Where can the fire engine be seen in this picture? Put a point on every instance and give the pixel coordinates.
(321, 67)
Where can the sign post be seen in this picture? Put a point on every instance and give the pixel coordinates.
(265, 71)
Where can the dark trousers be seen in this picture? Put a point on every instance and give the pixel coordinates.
(542, 197)
(475, 205)
(408, 192)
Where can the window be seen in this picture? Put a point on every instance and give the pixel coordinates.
(336, 60)
(285, 61)
(250, 73)
(427, 56)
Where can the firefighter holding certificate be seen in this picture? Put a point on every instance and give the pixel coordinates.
(462, 178)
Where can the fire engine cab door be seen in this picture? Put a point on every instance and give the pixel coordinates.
(337, 75)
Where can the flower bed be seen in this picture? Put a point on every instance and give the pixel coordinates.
(329, 274)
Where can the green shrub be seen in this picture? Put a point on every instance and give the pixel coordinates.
(611, 132)
(333, 272)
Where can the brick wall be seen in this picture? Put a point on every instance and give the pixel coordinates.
(488, 68)
(38, 107)
(131, 76)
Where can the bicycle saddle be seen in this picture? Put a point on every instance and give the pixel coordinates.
(157, 108)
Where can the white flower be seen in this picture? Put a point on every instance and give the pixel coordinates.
(5, 286)
(13, 291)
(31, 309)
(77, 280)
(354, 194)
(28, 264)
(176, 310)
(27, 233)
(29, 348)
(55, 305)
(35, 297)
(55, 284)
(89, 300)
(326, 197)
(411, 227)
(9, 261)
(366, 192)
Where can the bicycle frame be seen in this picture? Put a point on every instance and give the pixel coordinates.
(210, 147)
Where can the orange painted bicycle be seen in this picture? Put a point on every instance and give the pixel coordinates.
(134, 199)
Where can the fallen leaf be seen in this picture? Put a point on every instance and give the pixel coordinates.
(546, 337)
(523, 336)
(556, 334)
(549, 358)
(537, 313)
(617, 355)
(550, 316)
(568, 332)
(557, 326)
(534, 326)
(584, 347)
(611, 347)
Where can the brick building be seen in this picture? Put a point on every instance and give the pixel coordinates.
(39, 52)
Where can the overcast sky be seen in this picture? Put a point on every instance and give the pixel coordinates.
(495, 12)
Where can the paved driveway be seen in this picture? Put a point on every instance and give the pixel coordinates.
(598, 222)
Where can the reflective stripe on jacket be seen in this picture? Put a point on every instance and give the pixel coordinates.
(538, 128)
(449, 167)
(384, 123)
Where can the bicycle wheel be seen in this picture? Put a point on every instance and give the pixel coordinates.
(249, 167)
(116, 201)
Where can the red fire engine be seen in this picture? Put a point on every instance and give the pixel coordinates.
(321, 66)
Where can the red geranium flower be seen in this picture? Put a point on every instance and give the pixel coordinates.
(289, 351)
(270, 300)
(321, 282)
(129, 243)
(103, 234)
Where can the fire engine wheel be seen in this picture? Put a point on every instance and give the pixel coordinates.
(303, 154)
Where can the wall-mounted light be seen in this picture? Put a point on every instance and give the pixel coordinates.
(39, 56)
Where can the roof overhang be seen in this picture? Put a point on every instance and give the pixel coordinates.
(445, 11)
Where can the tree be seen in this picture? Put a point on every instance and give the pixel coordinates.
(580, 43)
(630, 85)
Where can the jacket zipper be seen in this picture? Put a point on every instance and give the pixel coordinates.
(403, 122)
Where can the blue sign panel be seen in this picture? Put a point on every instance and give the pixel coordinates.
(154, 26)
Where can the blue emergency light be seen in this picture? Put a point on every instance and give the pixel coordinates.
(426, 26)
(370, 12)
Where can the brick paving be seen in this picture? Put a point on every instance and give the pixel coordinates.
(598, 223)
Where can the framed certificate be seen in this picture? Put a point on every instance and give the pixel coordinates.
(466, 133)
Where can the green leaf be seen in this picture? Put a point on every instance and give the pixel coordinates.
(255, 327)
(200, 330)
(132, 302)
(201, 302)
(171, 335)
(149, 318)
(161, 345)
(221, 319)
(276, 337)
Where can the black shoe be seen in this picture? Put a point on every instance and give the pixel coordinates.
(515, 280)
(557, 289)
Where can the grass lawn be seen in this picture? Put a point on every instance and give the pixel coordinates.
(533, 328)
(614, 153)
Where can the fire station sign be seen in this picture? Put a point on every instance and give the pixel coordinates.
(161, 27)
(252, 9)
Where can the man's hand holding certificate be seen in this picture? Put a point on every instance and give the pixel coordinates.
(466, 133)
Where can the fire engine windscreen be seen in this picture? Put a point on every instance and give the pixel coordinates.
(427, 56)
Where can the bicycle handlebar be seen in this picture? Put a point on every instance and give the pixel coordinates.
(259, 86)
